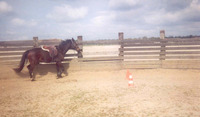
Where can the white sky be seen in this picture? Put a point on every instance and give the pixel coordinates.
(97, 19)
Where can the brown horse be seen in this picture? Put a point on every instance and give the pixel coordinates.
(37, 55)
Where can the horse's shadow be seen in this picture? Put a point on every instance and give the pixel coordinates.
(43, 69)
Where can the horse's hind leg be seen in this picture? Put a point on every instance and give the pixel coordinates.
(31, 68)
(30, 71)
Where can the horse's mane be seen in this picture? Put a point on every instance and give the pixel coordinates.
(63, 43)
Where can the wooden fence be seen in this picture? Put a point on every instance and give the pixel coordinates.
(161, 49)
(132, 53)
(160, 53)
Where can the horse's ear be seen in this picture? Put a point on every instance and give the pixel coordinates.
(73, 39)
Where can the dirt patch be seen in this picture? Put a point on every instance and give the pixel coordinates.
(156, 92)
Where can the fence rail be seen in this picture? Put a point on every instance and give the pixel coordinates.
(161, 49)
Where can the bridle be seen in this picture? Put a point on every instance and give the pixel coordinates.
(75, 45)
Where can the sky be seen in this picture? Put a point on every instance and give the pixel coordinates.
(97, 19)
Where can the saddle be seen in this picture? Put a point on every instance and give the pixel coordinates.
(51, 49)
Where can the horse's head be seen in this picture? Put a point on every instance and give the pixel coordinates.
(74, 46)
(64, 46)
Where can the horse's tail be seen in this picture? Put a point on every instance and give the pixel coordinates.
(22, 62)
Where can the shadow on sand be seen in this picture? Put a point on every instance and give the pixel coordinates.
(42, 70)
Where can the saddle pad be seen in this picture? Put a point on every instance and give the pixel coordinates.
(51, 49)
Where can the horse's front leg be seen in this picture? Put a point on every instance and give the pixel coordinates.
(59, 67)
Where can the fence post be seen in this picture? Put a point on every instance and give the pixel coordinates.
(80, 43)
(162, 34)
(162, 41)
(121, 39)
(35, 42)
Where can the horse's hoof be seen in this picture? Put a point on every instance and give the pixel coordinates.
(33, 80)
(59, 77)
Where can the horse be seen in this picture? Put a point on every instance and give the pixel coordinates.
(37, 55)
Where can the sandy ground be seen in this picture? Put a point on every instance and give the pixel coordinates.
(156, 92)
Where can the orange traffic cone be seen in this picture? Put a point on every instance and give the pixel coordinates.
(129, 77)
(130, 80)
